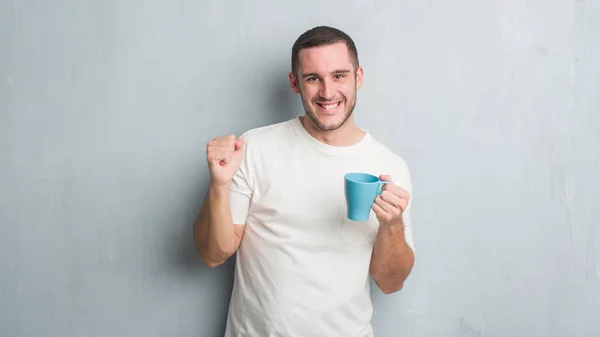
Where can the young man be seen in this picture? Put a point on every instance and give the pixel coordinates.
(276, 197)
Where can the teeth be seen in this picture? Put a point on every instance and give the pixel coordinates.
(330, 106)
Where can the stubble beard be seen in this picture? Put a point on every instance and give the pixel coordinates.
(311, 113)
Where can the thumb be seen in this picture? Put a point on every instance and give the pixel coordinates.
(239, 145)
(238, 152)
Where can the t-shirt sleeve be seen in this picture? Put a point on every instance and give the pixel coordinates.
(408, 235)
(241, 192)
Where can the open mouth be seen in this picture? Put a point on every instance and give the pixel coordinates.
(329, 106)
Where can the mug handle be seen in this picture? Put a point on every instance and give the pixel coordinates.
(380, 184)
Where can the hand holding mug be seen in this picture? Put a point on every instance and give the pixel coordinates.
(391, 203)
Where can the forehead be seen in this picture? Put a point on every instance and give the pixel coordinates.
(325, 59)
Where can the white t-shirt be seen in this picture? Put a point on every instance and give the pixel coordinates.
(302, 268)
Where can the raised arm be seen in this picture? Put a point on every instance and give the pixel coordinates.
(216, 236)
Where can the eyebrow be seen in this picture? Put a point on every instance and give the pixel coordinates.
(333, 73)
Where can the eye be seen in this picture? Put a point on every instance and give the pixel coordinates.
(312, 79)
(339, 76)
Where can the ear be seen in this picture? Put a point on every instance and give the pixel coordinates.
(294, 83)
(359, 77)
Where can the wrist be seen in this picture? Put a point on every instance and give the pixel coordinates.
(219, 188)
(393, 228)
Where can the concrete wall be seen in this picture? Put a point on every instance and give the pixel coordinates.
(106, 107)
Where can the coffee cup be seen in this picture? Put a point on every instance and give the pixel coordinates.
(360, 190)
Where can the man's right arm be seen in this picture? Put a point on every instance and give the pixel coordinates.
(216, 237)
(215, 234)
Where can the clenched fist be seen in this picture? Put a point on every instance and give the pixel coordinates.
(224, 155)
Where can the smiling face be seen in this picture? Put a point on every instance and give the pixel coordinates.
(327, 81)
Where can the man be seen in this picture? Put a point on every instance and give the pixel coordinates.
(276, 197)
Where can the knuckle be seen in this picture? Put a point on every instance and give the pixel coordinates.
(222, 138)
(213, 142)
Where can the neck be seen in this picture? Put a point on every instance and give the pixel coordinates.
(347, 135)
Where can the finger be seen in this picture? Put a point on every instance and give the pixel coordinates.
(397, 190)
(387, 179)
(226, 159)
(221, 142)
(239, 144)
(403, 204)
(378, 210)
(387, 207)
(391, 198)
(402, 193)
(222, 156)
(220, 159)
(225, 142)
(399, 202)
(391, 209)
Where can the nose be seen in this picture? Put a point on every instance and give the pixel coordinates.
(327, 89)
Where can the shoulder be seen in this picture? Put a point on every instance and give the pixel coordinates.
(391, 161)
(267, 133)
(262, 143)
(387, 155)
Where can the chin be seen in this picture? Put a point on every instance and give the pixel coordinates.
(328, 117)
(330, 124)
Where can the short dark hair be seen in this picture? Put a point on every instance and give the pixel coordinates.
(322, 36)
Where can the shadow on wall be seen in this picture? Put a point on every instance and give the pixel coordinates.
(285, 103)
(275, 104)
(274, 101)
(210, 288)
(269, 100)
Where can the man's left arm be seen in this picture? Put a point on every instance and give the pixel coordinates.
(392, 258)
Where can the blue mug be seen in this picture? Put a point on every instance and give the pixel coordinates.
(360, 190)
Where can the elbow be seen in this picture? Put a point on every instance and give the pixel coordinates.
(213, 258)
(211, 261)
(211, 254)
(390, 289)
(388, 285)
